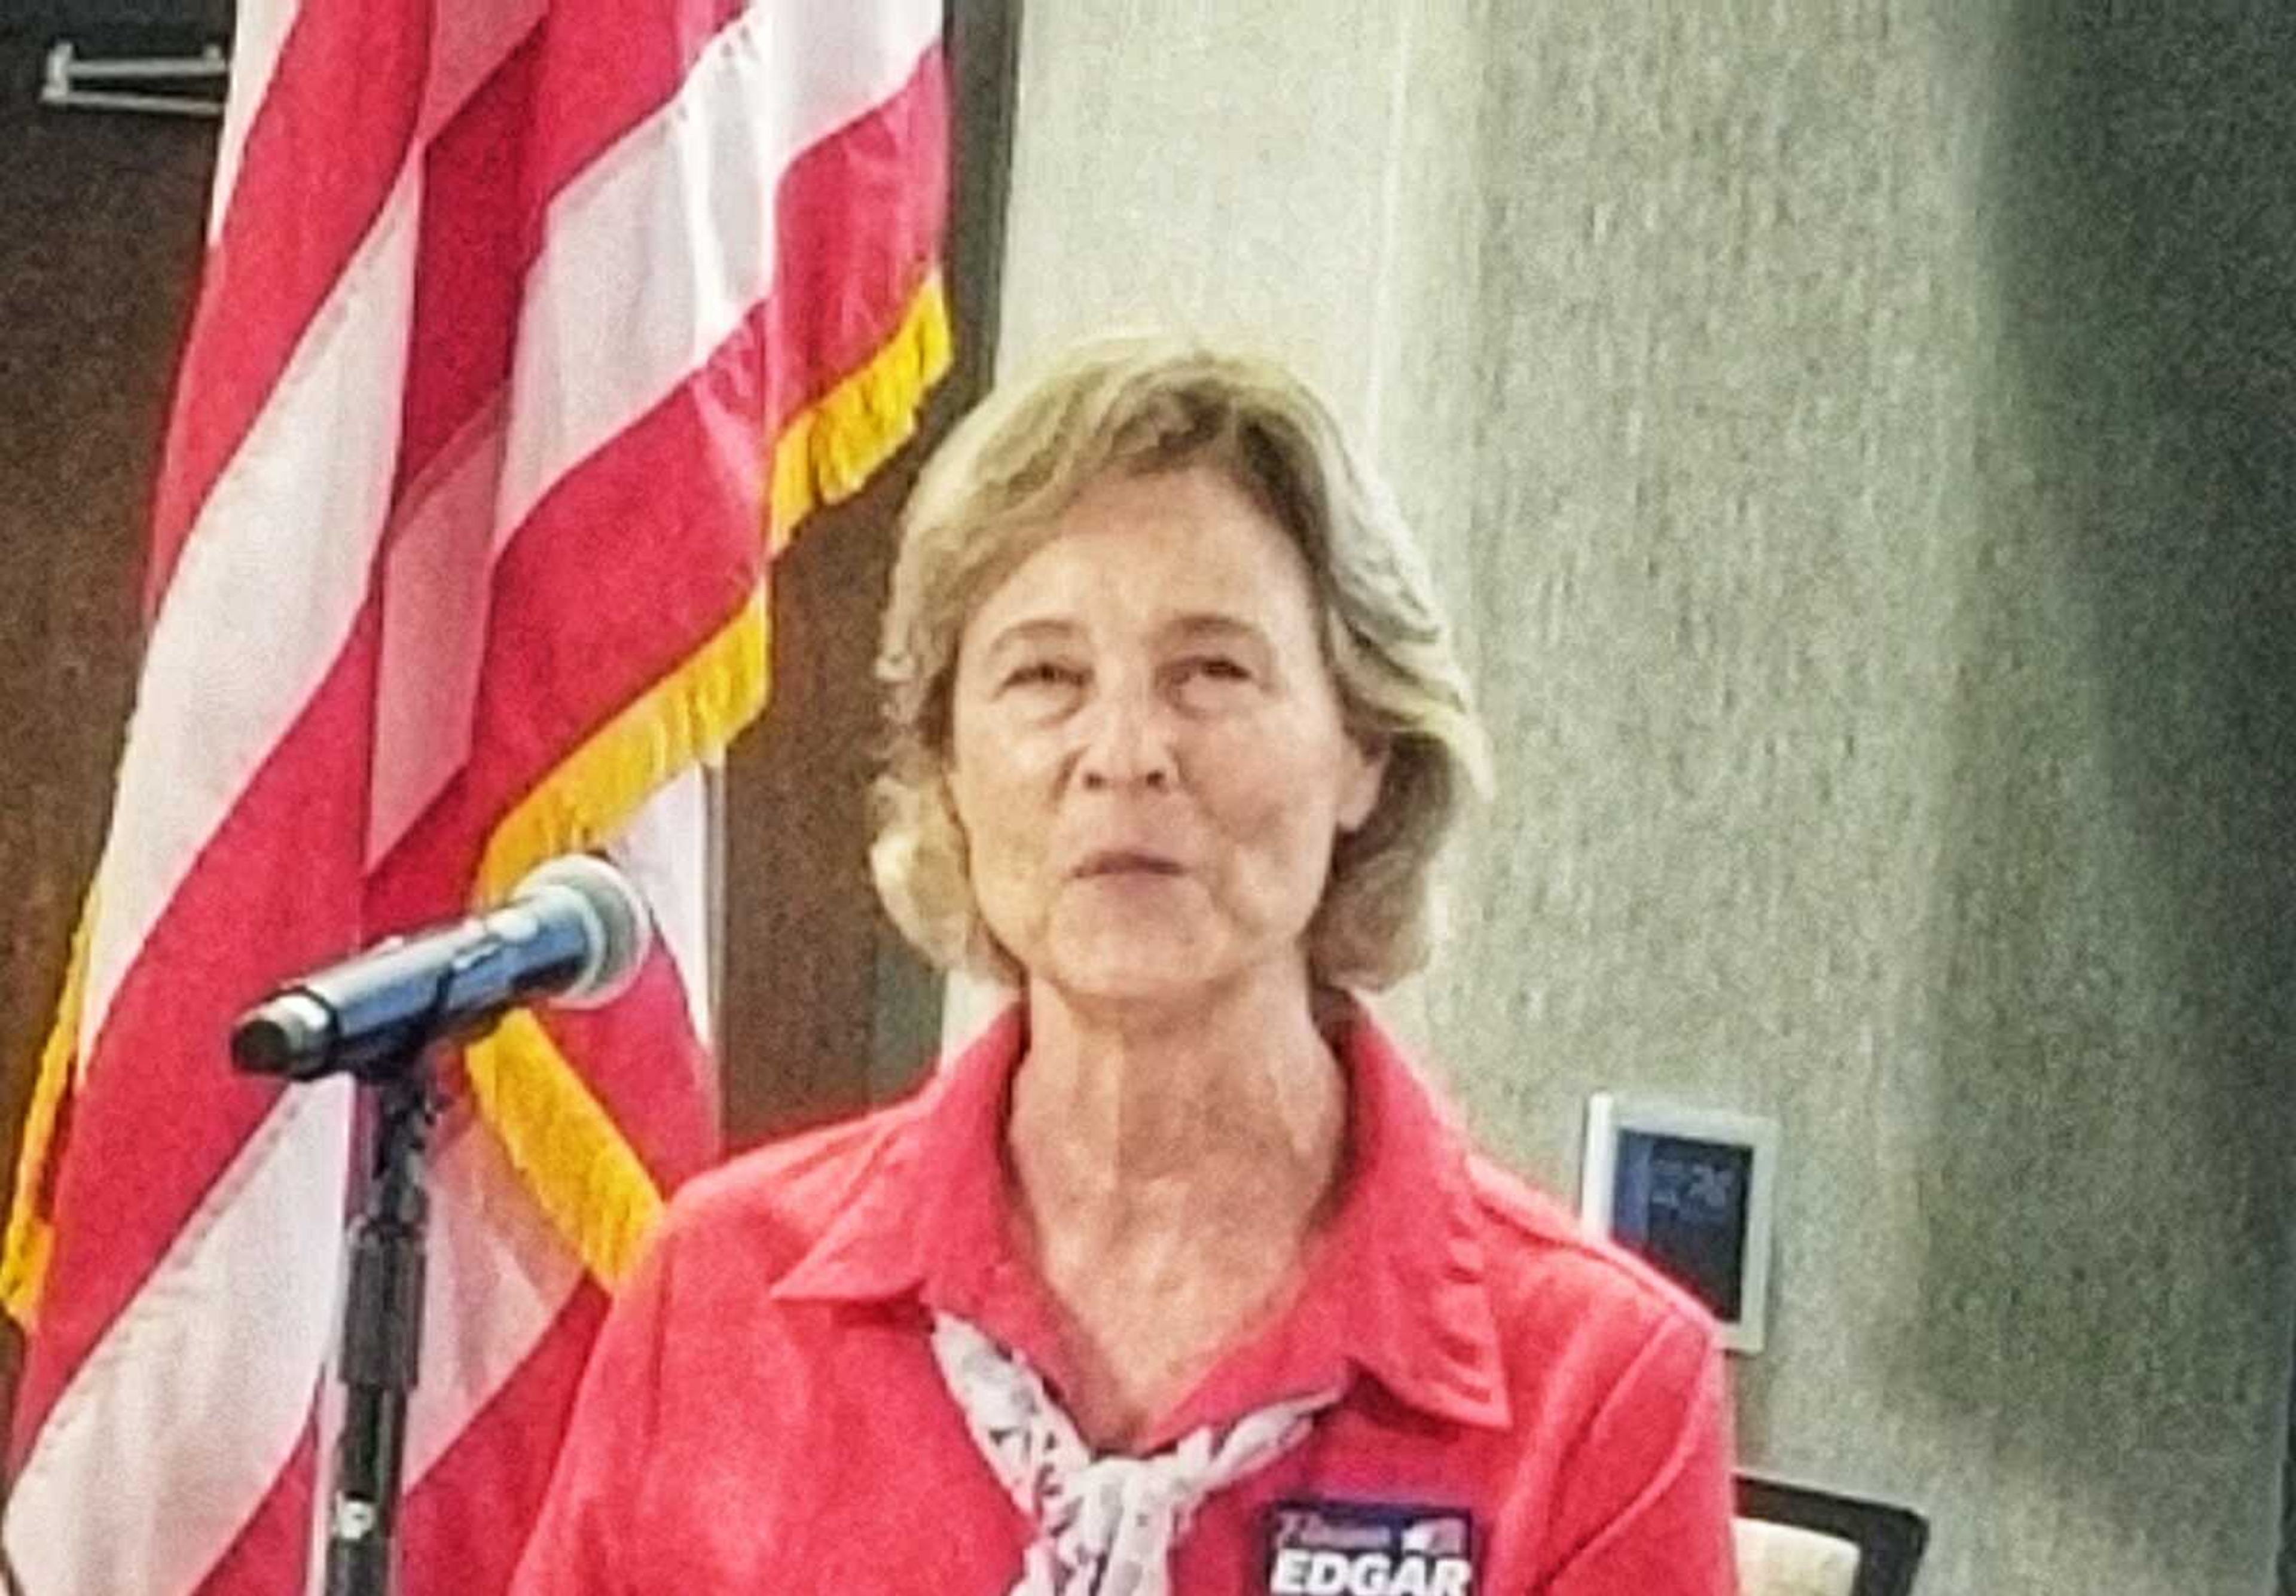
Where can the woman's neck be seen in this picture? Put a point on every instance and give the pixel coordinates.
(1129, 1125)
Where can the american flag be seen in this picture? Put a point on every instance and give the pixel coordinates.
(527, 330)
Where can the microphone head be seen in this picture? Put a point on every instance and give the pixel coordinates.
(283, 1036)
(614, 911)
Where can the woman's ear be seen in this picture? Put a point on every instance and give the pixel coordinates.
(1365, 778)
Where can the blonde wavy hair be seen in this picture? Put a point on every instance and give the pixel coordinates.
(993, 494)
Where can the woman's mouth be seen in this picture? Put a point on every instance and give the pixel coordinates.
(1126, 862)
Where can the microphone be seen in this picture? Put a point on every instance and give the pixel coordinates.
(574, 930)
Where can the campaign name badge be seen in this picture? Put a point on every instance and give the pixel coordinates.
(1369, 1548)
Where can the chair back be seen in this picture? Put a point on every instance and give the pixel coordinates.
(1797, 1540)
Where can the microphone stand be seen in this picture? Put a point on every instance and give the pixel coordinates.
(574, 927)
(382, 1330)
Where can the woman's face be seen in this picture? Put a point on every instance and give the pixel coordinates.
(1147, 756)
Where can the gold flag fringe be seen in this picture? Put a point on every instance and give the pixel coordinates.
(583, 1172)
(573, 1157)
(828, 450)
(24, 1261)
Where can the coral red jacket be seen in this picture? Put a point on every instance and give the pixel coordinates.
(1525, 1410)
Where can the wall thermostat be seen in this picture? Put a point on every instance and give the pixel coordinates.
(1688, 1190)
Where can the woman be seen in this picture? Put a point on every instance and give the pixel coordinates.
(1178, 1278)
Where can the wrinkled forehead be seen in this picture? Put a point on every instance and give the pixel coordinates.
(1151, 553)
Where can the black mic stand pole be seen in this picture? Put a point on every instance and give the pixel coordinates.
(381, 1341)
(382, 1330)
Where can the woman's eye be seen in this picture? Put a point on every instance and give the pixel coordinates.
(1216, 667)
(1044, 673)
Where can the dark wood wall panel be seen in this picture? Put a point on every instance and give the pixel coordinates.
(132, 20)
(100, 224)
(101, 239)
(818, 984)
(801, 921)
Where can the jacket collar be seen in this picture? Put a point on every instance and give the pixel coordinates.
(1396, 1286)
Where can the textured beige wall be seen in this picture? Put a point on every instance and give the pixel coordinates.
(1857, 449)
(1213, 165)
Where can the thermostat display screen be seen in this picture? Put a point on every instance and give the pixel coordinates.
(1682, 1203)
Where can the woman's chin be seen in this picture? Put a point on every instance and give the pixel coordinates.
(1146, 974)
(1132, 985)
(1133, 970)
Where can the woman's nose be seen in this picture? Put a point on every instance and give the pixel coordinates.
(1127, 742)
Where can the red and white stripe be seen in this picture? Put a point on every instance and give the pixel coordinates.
(504, 302)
